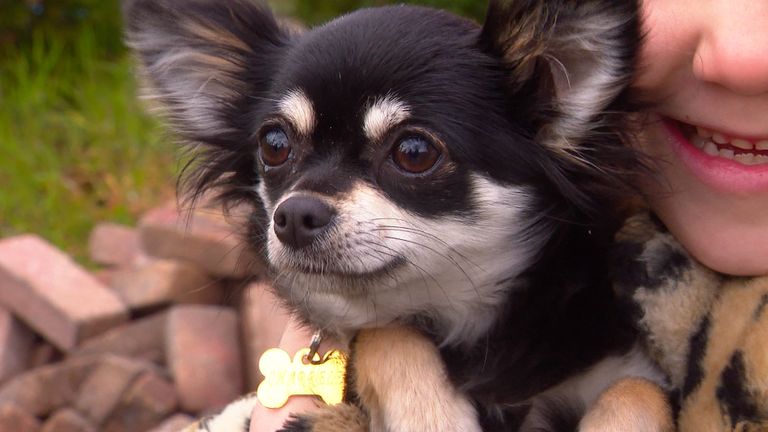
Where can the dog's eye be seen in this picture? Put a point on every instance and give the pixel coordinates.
(415, 154)
(275, 147)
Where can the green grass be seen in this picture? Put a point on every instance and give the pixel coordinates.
(76, 146)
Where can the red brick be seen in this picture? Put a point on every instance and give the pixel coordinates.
(42, 354)
(68, 420)
(164, 281)
(174, 423)
(16, 343)
(14, 419)
(105, 275)
(203, 354)
(263, 321)
(149, 400)
(206, 239)
(102, 390)
(42, 390)
(141, 339)
(52, 294)
(114, 245)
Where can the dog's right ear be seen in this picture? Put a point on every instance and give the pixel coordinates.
(580, 54)
(574, 59)
(203, 58)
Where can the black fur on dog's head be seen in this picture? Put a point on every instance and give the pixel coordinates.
(411, 163)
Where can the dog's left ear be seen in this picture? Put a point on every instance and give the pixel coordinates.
(578, 55)
(209, 64)
(201, 58)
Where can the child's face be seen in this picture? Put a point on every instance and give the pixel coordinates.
(706, 65)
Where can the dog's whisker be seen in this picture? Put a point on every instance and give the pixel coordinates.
(389, 274)
(427, 274)
(428, 235)
(456, 264)
(396, 255)
(418, 231)
(261, 98)
(375, 310)
(447, 257)
(451, 250)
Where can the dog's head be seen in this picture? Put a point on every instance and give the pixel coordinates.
(405, 156)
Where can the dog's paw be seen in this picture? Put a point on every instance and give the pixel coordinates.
(748, 426)
(331, 418)
(630, 405)
(297, 423)
(402, 382)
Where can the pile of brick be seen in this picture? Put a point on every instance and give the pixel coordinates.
(168, 330)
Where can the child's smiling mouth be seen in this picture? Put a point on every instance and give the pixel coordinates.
(725, 162)
(719, 144)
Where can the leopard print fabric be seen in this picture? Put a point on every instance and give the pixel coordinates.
(236, 417)
(708, 332)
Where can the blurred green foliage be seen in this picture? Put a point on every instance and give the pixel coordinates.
(64, 20)
(76, 145)
(317, 11)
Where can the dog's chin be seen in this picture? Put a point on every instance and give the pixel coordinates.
(329, 278)
(331, 271)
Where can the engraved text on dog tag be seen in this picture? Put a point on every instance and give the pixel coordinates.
(284, 378)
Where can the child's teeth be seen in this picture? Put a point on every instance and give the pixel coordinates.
(742, 144)
(711, 149)
(704, 133)
(719, 138)
(736, 149)
(726, 153)
(745, 158)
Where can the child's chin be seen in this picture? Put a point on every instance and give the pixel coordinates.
(723, 243)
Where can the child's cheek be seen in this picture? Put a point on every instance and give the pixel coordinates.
(670, 32)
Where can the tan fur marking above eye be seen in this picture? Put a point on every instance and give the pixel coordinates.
(298, 109)
(382, 115)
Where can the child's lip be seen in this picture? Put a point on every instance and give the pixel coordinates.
(719, 173)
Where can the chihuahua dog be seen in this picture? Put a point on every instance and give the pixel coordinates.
(405, 165)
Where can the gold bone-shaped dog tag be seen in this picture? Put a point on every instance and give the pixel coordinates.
(283, 378)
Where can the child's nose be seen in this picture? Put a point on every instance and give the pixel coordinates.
(733, 51)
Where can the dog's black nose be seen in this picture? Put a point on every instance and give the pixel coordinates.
(300, 219)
